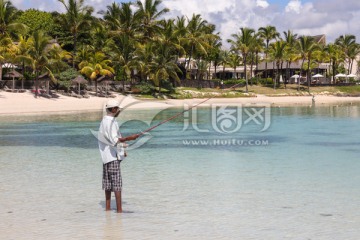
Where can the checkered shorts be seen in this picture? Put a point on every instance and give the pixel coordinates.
(111, 180)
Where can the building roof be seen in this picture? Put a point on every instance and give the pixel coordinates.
(293, 65)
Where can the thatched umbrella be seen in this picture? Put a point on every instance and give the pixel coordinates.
(47, 78)
(79, 80)
(14, 74)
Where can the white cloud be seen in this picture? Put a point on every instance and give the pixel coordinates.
(293, 6)
(262, 3)
(330, 17)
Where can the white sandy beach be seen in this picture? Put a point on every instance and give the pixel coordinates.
(27, 104)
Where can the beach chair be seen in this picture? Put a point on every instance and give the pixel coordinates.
(7, 89)
(73, 94)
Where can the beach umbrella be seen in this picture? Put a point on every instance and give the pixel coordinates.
(351, 76)
(296, 76)
(107, 83)
(340, 75)
(13, 74)
(79, 80)
(317, 76)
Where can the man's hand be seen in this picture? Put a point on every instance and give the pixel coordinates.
(132, 137)
(129, 138)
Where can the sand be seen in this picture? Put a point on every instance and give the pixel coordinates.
(27, 104)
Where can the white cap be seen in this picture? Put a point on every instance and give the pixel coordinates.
(112, 103)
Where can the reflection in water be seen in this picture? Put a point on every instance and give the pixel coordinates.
(303, 184)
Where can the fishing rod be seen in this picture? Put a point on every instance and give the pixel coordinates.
(178, 114)
(171, 118)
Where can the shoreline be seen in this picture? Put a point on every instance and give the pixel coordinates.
(18, 104)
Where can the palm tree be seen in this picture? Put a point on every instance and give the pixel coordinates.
(346, 43)
(197, 34)
(290, 38)
(163, 66)
(352, 54)
(96, 67)
(214, 53)
(143, 57)
(202, 66)
(8, 15)
(122, 20)
(268, 33)
(6, 46)
(234, 61)
(242, 42)
(122, 55)
(277, 54)
(224, 60)
(76, 17)
(39, 53)
(336, 56)
(150, 13)
(307, 46)
(169, 37)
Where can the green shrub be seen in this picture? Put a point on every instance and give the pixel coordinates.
(239, 82)
(266, 81)
(64, 78)
(168, 86)
(144, 87)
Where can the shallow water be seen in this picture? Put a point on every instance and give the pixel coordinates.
(301, 181)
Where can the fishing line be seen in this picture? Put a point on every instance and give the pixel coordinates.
(171, 118)
(178, 114)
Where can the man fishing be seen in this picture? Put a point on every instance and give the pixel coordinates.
(111, 146)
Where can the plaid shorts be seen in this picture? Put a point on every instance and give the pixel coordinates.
(111, 180)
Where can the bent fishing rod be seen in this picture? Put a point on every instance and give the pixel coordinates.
(171, 118)
(176, 115)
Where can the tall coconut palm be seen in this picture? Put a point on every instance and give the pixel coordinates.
(163, 67)
(150, 13)
(352, 54)
(122, 19)
(307, 46)
(96, 67)
(6, 46)
(169, 37)
(224, 60)
(214, 53)
(290, 38)
(143, 57)
(234, 61)
(336, 56)
(39, 53)
(268, 33)
(8, 26)
(242, 43)
(122, 55)
(76, 17)
(197, 34)
(346, 43)
(277, 55)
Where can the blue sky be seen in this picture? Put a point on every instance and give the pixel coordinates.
(305, 17)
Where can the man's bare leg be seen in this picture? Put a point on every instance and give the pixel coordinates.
(108, 200)
(118, 201)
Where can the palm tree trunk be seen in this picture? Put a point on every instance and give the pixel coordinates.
(246, 80)
(36, 83)
(308, 74)
(74, 50)
(1, 70)
(302, 65)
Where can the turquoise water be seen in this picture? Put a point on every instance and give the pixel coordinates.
(298, 179)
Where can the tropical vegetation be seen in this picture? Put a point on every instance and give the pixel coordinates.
(133, 43)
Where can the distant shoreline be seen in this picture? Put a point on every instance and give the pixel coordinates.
(15, 104)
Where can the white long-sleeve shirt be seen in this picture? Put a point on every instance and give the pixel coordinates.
(110, 149)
